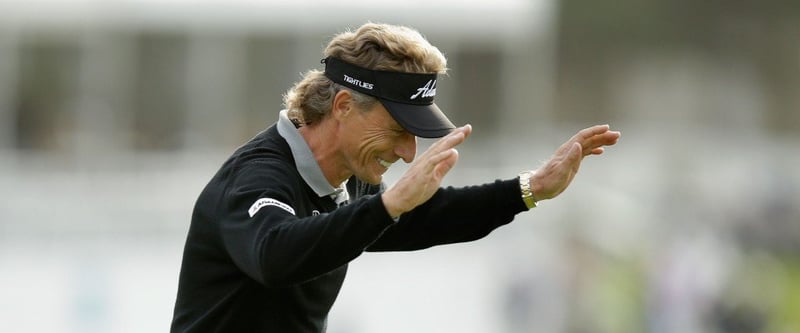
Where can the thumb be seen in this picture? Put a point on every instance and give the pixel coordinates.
(574, 154)
(577, 148)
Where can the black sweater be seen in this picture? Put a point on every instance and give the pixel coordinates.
(281, 269)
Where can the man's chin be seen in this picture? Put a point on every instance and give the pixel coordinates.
(373, 180)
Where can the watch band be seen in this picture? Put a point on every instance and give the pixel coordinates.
(525, 188)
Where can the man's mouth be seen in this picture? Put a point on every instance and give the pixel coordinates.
(384, 163)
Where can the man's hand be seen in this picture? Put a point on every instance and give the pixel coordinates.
(556, 174)
(423, 178)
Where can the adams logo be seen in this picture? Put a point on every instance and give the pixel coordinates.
(428, 90)
(269, 202)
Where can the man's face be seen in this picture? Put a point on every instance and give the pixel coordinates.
(372, 141)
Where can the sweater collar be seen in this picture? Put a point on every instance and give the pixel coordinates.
(304, 159)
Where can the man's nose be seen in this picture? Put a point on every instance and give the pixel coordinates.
(407, 149)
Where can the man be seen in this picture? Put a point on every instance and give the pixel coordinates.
(272, 233)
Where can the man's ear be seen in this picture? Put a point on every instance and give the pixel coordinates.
(342, 104)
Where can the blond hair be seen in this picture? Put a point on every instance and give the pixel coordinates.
(373, 46)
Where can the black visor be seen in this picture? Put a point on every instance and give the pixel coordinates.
(407, 96)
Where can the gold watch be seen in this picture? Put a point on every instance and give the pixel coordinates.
(525, 188)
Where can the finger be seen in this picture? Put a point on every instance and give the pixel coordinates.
(589, 132)
(467, 130)
(456, 137)
(441, 156)
(606, 139)
(446, 164)
(596, 151)
(582, 137)
(446, 140)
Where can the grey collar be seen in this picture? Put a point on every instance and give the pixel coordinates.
(304, 159)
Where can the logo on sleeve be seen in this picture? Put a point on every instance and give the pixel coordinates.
(269, 202)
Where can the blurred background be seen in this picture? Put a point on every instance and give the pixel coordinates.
(115, 114)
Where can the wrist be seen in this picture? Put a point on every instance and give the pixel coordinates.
(393, 210)
(536, 187)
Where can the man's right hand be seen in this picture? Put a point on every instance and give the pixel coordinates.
(423, 178)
